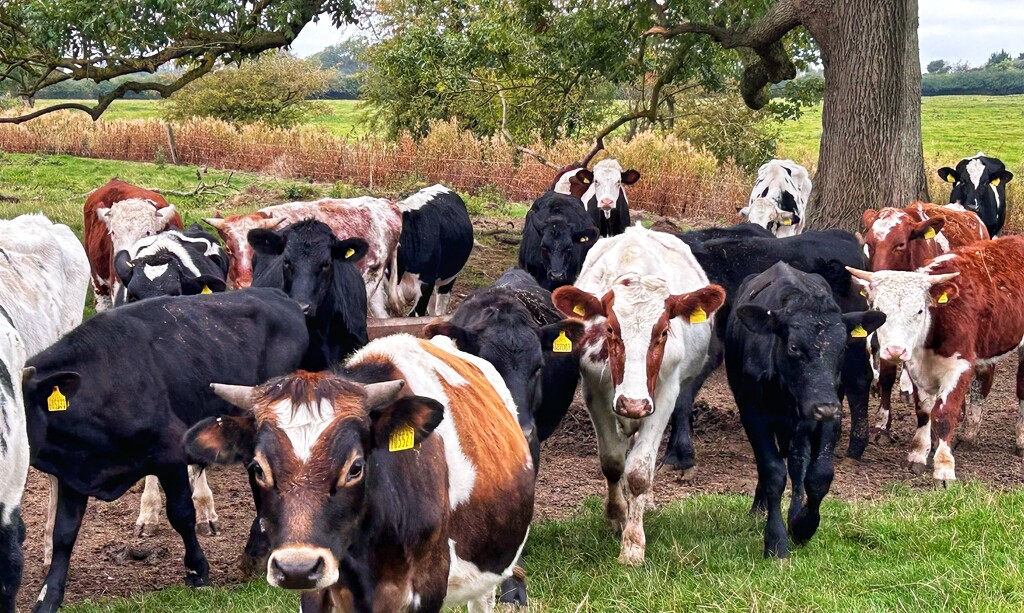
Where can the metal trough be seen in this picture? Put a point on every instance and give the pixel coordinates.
(376, 328)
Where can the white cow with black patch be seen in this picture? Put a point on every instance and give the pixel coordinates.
(778, 200)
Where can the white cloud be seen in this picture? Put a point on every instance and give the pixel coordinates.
(318, 36)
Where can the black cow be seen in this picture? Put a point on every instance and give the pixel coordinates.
(435, 244)
(557, 235)
(784, 345)
(979, 185)
(319, 272)
(727, 262)
(172, 263)
(109, 403)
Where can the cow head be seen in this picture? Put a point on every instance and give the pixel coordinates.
(129, 220)
(896, 241)
(315, 444)
(573, 180)
(234, 231)
(979, 183)
(160, 274)
(310, 258)
(562, 249)
(766, 213)
(907, 299)
(608, 179)
(637, 314)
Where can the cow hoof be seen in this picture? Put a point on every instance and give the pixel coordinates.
(905, 397)
(193, 579)
(685, 464)
(918, 468)
(146, 530)
(207, 528)
(882, 437)
(632, 555)
(944, 483)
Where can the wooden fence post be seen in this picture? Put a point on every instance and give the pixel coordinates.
(170, 144)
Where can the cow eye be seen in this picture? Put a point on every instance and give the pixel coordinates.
(356, 470)
(793, 349)
(325, 266)
(257, 472)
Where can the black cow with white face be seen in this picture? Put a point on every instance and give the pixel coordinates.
(979, 185)
(109, 403)
(319, 272)
(784, 346)
(172, 263)
(557, 235)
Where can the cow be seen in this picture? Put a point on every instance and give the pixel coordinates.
(778, 200)
(117, 215)
(728, 262)
(784, 344)
(557, 235)
(960, 313)
(375, 220)
(400, 483)
(647, 306)
(172, 263)
(44, 277)
(606, 199)
(979, 185)
(321, 273)
(435, 244)
(109, 403)
(905, 239)
(573, 179)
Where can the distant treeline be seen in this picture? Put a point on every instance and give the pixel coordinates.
(1001, 75)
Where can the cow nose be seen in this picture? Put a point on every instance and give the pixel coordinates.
(556, 276)
(633, 408)
(606, 203)
(304, 306)
(295, 571)
(826, 412)
(895, 352)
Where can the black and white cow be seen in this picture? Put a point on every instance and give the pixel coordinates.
(109, 403)
(557, 235)
(319, 271)
(13, 460)
(979, 185)
(778, 200)
(784, 346)
(606, 197)
(436, 241)
(172, 263)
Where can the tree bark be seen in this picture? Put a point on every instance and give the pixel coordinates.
(871, 150)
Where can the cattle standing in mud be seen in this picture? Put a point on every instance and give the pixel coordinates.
(784, 343)
(979, 185)
(402, 483)
(647, 306)
(778, 200)
(557, 235)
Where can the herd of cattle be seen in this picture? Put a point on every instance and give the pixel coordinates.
(399, 473)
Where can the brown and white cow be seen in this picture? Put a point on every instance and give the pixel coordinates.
(117, 215)
(962, 312)
(376, 220)
(906, 239)
(647, 307)
(402, 483)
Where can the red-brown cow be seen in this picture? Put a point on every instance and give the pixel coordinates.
(573, 179)
(961, 312)
(905, 239)
(117, 215)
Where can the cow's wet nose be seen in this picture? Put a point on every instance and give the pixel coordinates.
(607, 203)
(895, 352)
(296, 571)
(556, 276)
(305, 306)
(633, 408)
(826, 412)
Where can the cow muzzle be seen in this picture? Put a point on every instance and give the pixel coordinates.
(556, 276)
(633, 408)
(894, 353)
(826, 412)
(302, 568)
(606, 204)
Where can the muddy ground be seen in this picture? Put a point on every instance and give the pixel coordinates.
(109, 560)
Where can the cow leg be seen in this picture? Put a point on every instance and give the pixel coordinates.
(202, 498)
(979, 390)
(484, 604)
(70, 510)
(944, 418)
(921, 444)
(425, 299)
(12, 560)
(148, 522)
(1019, 438)
(817, 481)
(856, 379)
(182, 515)
(257, 548)
(906, 385)
(51, 516)
(640, 465)
(797, 462)
(680, 452)
(611, 449)
(771, 483)
(442, 299)
(886, 381)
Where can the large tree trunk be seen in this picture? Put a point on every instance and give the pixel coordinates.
(871, 153)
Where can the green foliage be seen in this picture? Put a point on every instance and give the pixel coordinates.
(275, 88)
(723, 125)
(789, 98)
(938, 67)
(1001, 80)
(997, 58)
(87, 89)
(346, 62)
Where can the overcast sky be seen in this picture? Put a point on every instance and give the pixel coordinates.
(952, 30)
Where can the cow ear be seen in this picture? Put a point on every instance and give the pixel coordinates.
(393, 423)
(586, 177)
(859, 325)
(575, 302)
(47, 391)
(585, 236)
(266, 242)
(744, 211)
(756, 319)
(697, 306)
(464, 339)
(944, 293)
(226, 439)
(1004, 176)
(928, 228)
(350, 250)
(868, 218)
(630, 176)
(123, 267)
(947, 174)
(561, 337)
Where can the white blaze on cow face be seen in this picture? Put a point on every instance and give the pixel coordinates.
(887, 220)
(129, 220)
(607, 184)
(639, 305)
(765, 212)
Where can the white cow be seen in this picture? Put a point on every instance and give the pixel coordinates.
(778, 201)
(647, 306)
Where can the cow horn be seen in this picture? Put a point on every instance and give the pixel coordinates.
(216, 222)
(936, 279)
(28, 372)
(382, 394)
(238, 395)
(860, 274)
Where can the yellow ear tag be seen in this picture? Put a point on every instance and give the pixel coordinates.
(859, 332)
(349, 253)
(951, 178)
(787, 222)
(57, 401)
(206, 290)
(562, 344)
(578, 309)
(698, 316)
(864, 293)
(929, 233)
(994, 181)
(943, 299)
(401, 439)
